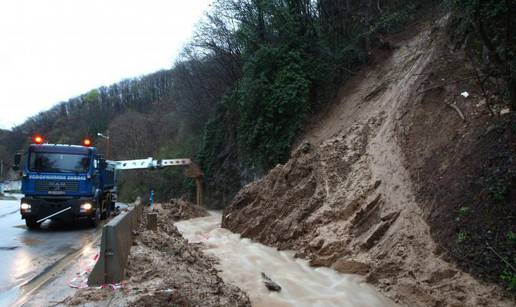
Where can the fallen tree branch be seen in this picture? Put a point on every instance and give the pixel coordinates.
(480, 83)
(503, 259)
(441, 85)
(456, 108)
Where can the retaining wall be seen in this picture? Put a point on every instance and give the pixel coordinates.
(116, 242)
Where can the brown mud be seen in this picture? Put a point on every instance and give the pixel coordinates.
(178, 209)
(347, 199)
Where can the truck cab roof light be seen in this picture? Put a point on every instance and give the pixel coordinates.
(38, 139)
(86, 142)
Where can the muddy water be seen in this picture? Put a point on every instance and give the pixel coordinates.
(242, 262)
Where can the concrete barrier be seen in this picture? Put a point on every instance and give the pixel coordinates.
(115, 244)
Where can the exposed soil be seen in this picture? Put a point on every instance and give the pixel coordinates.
(178, 209)
(165, 270)
(348, 197)
(463, 170)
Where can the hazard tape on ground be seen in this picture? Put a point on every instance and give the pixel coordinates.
(80, 281)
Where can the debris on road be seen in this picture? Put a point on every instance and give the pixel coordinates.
(164, 269)
(179, 209)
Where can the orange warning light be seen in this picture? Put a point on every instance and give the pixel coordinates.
(38, 139)
(86, 142)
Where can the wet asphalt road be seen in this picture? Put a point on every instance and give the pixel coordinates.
(26, 254)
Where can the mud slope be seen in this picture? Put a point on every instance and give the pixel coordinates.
(345, 199)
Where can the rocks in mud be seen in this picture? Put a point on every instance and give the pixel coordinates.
(305, 147)
(322, 261)
(351, 267)
(270, 284)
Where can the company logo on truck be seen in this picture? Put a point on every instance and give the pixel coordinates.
(57, 177)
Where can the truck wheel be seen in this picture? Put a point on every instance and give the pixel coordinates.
(106, 210)
(32, 224)
(96, 219)
(109, 208)
(103, 211)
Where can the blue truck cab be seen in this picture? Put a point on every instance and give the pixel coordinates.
(67, 183)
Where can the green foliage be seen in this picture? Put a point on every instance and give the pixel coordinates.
(509, 276)
(511, 237)
(462, 236)
(499, 187)
(401, 12)
(463, 211)
(218, 134)
(274, 102)
(91, 97)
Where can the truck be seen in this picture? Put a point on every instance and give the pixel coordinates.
(63, 182)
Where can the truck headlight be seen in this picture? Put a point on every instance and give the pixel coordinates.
(86, 207)
(25, 207)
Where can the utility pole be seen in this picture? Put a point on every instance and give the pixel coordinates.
(1, 170)
(108, 143)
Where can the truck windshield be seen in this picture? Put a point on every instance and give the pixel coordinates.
(58, 162)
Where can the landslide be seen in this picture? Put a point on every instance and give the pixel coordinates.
(348, 197)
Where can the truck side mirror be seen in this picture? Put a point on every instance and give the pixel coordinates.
(17, 161)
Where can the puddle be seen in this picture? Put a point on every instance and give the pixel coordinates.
(242, 262)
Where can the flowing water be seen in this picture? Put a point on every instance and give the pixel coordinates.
(242, 261)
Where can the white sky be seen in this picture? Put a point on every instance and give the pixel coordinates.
(52, 50)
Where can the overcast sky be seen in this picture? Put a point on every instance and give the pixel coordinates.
(53, 50)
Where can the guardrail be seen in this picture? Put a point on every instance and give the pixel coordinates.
(116, 242)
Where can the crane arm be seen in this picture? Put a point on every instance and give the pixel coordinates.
(148, 163)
